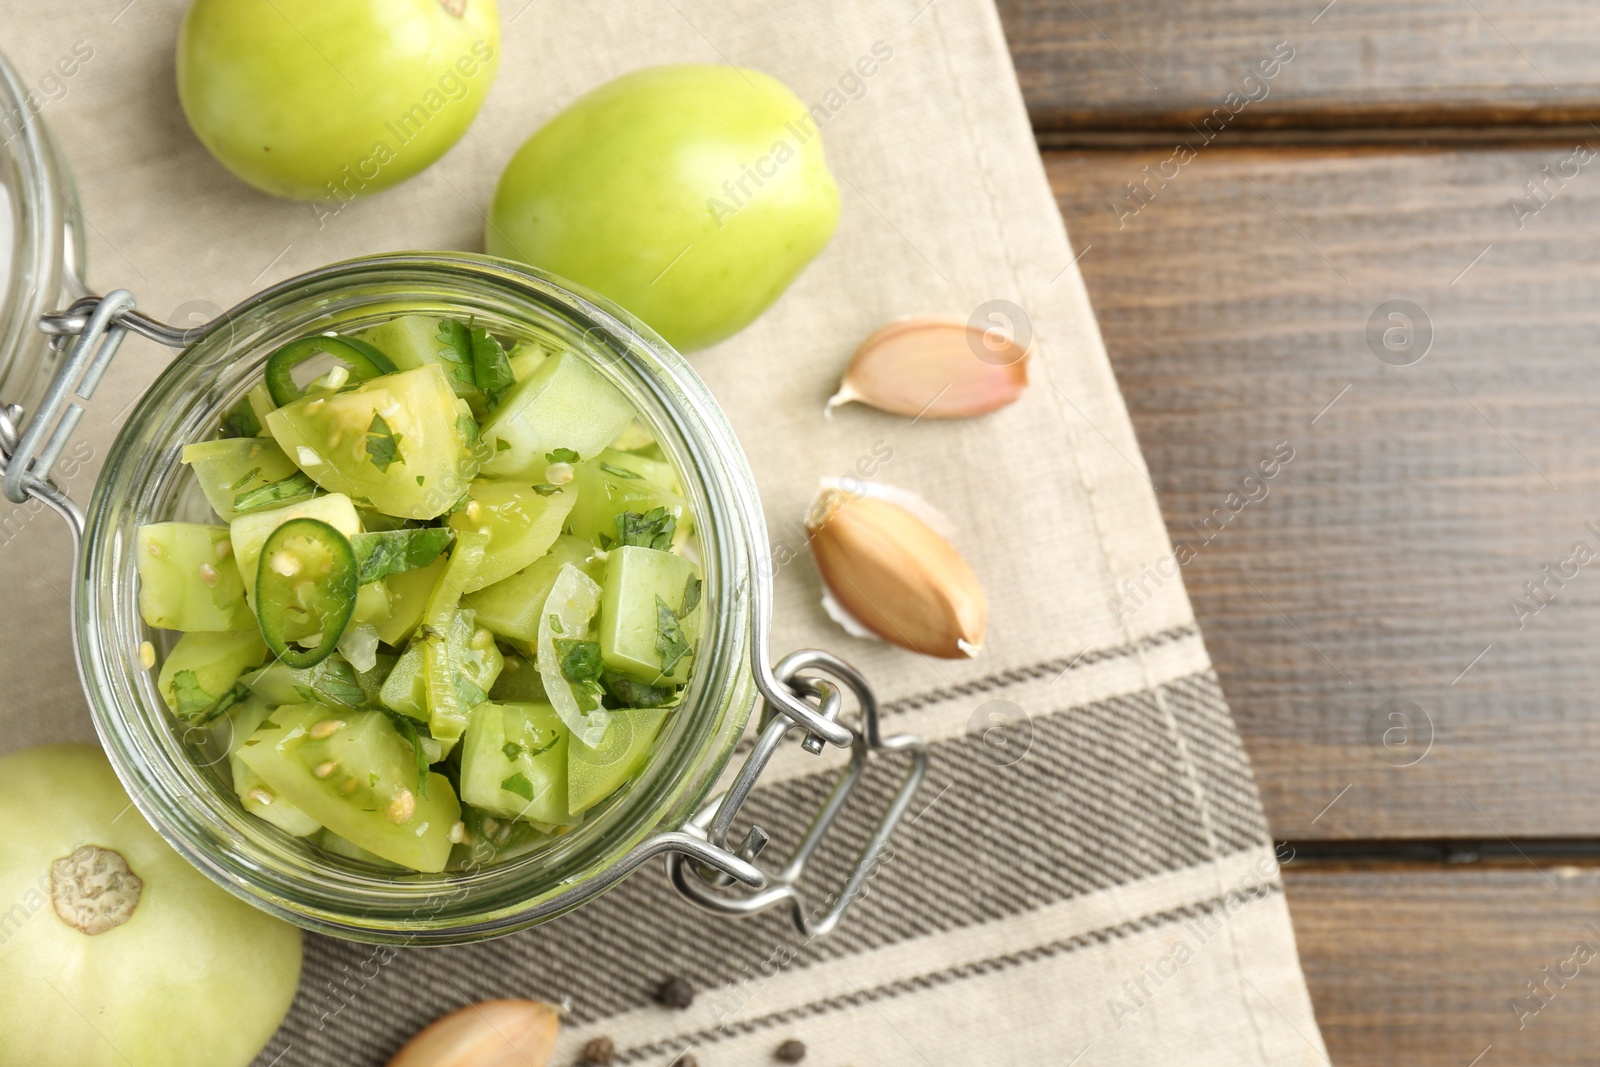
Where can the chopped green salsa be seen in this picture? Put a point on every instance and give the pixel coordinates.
(445, 611)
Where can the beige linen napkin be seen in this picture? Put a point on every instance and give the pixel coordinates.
(1111, 897)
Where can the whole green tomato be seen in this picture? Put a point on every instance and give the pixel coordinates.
(691, 195)
(332, 99)
(113, 950)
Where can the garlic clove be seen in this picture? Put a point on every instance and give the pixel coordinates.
(895, 576)
(909, 499)
(935, 368)
(492, 1033)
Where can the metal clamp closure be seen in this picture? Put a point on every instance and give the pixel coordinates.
(96, 326)
(709, 887)
(30, 458)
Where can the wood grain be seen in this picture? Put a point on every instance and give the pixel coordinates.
(1419, 967)
(1383, 560)
(1160, 64)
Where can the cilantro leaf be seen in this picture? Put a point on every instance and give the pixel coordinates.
(474, 359)
(518, 783)
(379, 555)
(491, 370)
(588, 695)
(383, 444)
(455, 339)
(467, 691)
(511, 749)
(408, 730)
(237, 695)
(671, 645)
(298, 486)
(335, 681)
(467, 427)
(561, 455)
(634, 695)
(691, 596)
(197, 706)
(580, 660)
(371, 682)
(190, 698)
(241, 421)
(653, 529)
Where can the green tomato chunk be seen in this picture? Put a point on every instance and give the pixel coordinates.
(644, 633)
(439, 676)
(354, 773)
(564, 403)
(254, 793)
(511, 606)
(399, 442)
(187, 578)
(521, 524)
(409, 592)
(473, 665)
(233, 466)
(329, 841)
(514, 763)
(595, 773)
(614, 484)
(203, 667)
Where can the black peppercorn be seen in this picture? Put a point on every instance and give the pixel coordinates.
(675, 993)
(791, 1051)
(599, 1053)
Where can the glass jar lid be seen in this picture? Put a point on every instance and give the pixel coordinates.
(41, 239)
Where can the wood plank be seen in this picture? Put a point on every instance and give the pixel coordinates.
(1419, 967)
(1382, 562)
(1161, 64)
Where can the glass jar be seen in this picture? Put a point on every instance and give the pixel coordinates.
(178, 779)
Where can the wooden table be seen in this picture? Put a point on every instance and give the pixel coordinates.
(1422, 720)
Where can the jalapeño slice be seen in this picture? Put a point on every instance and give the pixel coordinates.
(305, 590)
(359, 358)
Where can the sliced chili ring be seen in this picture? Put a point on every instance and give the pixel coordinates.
(361, 359)
(306, 587)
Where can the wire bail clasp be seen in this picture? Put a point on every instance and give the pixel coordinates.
(97, 326)
(29, 458)
(709, 888)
